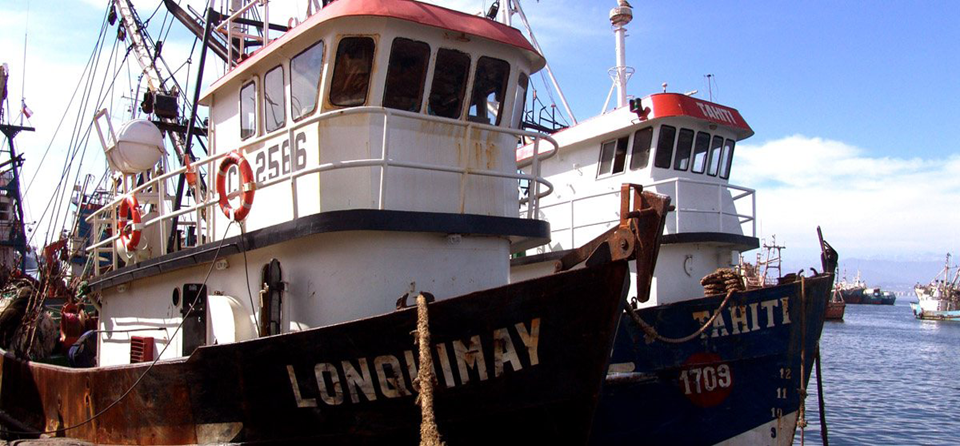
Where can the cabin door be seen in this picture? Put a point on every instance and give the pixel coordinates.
(194, 324)
(271, 298)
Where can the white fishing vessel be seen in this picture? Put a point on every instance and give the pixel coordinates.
(357, 163)
(940, 299)
(666, 385)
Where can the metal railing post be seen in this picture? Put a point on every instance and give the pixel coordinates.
(720, 205)
(383, 163)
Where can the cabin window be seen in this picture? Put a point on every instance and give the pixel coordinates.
(274, 107)
(613, 155)
(715, 156)
(248, 110)
(640, 155)
(700, 152)
(351, 74)
(665, 146)
(449, 83)
(726, 160)
(489, 88)
(519, 101)
(305, 70)
(405, 75)
(684, 144)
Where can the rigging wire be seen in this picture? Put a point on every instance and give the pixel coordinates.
(81, 141)
(77, 138)
(84, 100)
(69, 104)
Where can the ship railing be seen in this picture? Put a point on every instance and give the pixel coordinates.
(728, 197)
(154, 190)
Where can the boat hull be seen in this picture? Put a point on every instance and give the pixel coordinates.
(737, 383)
(852, 296)
(525, 360)
(934, 315)
(834, 311)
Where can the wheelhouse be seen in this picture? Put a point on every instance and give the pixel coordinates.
(372, 149)
(671, 144)
(444, 95)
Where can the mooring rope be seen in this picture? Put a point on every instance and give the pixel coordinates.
(802, 412)
(429, 433)
(651, 332)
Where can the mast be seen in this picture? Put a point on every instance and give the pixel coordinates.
(513, 6)
(619, 18)
(144, 51)
(142, 48)
(17, 239)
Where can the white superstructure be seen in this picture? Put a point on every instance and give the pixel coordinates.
(380, 138)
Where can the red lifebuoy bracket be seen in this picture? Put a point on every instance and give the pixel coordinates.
(129, 205)
(247, 188)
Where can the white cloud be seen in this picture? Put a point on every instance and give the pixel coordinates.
(867, 206)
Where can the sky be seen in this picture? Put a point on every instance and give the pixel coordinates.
(854, 104)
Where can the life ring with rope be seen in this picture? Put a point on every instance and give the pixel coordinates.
(130, 206)
(247, 187)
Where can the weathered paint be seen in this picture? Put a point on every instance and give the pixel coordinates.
(528, 358)
(722, 386)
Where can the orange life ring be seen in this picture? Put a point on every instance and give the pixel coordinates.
(129, 205)
(247, 187)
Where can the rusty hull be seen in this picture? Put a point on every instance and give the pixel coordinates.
(265, 390)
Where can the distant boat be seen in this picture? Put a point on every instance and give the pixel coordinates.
(940, 300)
(835, 308)
(857, 293)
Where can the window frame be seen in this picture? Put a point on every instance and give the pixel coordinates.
(687, 151)
(505, 86)
(726, 167)
(283, 98)
(634, 152)
(719, 151)
(706, 153)
(370, 75)
(673, 141)
(316, 102)
(463, 86)
(617, 143)
(423, 76)
(255, 82)
(516, 121)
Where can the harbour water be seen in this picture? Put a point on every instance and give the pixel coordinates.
(888, 379)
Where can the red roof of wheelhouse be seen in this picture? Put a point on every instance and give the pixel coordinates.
(409, 10)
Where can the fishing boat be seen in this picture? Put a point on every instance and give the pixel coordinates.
(851, 292)
(835, 308)
(940, 299)
(703, 359)
(360, 193)
(858, 293)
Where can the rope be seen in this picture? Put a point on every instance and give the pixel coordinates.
(429, 434)
(802, 412)
(651, 333)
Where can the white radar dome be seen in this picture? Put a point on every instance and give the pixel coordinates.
(139, 147)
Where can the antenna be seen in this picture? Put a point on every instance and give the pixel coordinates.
(709, 85)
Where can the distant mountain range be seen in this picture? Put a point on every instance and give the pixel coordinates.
(893, 274)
